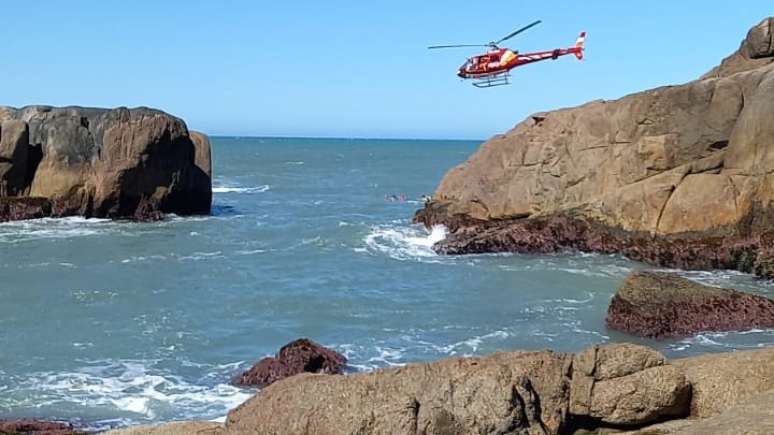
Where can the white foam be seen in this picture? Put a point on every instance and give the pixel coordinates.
(126, 387)
(50, 228)
(233, 189)
(405, 242)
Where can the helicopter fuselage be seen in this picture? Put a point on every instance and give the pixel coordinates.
(501, 60)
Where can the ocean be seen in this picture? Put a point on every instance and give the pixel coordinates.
(116, 323)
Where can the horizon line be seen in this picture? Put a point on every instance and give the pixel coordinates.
(340, 138)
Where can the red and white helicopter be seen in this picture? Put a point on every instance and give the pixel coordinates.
(493, 67)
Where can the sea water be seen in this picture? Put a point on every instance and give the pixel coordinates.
(108, 323)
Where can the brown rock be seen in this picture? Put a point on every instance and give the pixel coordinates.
(299, 356)
(14, 150)
(677, 165)
(723, 380)
(659, 305)
(628, 385)
(643, 397)
(122, 163)
(755, 416)
(35, 427)
(175, 428)
(13, 209)
(525, 393)
(519, 393)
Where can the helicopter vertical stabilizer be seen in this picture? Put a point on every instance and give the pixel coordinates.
(579, 43)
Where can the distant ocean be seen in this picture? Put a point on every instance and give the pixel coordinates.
(118, 323)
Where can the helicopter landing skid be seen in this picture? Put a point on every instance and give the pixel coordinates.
(493, 80)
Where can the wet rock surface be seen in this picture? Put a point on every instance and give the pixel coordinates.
(299, 356)
(35, 427)
(662, 305)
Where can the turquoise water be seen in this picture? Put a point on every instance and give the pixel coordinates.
(118, 323)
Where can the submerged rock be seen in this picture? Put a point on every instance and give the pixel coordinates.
(299, 356)
(121, 163)
(660, 305)
(678, 176)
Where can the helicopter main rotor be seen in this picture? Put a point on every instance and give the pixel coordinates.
(492, 44)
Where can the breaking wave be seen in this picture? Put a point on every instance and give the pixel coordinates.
(50, 228)
(405, 242)
(129, 391)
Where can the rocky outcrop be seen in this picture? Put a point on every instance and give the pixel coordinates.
(625, 385)
(686, 167)
(121, 163)
(723, 380)
(299, 356)
(604, 389)
(517, 393)
(660, 305)
(35, 427)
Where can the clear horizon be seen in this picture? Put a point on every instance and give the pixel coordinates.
(351, 70)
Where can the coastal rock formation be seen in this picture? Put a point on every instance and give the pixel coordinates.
(121, 163)
(34, 427)
(720, 381)
(752, 417)
(299, 356)
(520, 393)
(677, 176)
(604, 389)
(626, 384)
(660, 305)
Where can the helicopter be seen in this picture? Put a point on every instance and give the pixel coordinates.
(493, 67)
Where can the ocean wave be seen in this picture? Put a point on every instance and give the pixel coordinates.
(127, 391)
(405, 242)
(53, 228)
(234, 189)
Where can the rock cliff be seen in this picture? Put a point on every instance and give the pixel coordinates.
(688, 166)
(120, 163)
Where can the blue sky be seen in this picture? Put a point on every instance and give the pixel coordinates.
(351, 68)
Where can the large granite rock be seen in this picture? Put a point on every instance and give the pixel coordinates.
(755, 416)
(602, 390)
(723, 380)
(625, 385)
(120, 163)
(299, 356)
(689, 167)
(661, 305)
(508, 393)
